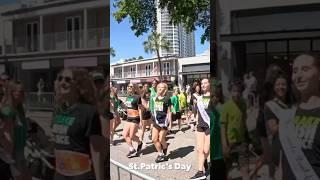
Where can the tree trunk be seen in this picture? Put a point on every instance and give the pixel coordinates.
(160, 67)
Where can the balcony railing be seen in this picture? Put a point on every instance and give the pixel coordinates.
(142, 73)
(60, 41)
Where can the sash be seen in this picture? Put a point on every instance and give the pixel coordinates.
(298, 162)
(202, 111)
(70, 163)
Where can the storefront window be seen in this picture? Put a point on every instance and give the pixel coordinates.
(277, 46)
(299, 45)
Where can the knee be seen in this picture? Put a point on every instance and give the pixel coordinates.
(155, 140)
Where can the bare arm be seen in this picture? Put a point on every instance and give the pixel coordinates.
(273, 126)
(6, 138)
(97, 146)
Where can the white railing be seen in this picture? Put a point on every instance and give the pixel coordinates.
(60, 41)
(130, 171)
(142, 73)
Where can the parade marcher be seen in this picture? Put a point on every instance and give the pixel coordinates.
(196, 93)
(14, 99)
(299, 127)
(162, 116)
(153, 90)
(76, 128)
(234, 132)
(282, 100)
(266, 94)
(134, 116)
(146, 114)
(183, 105)
(175, 110)
(7, 123)
(203, 129)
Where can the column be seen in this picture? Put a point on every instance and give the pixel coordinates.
(41, 34)
(3, 38)
(85, 28)
(122, 72)
(136, 70)
(153, 68)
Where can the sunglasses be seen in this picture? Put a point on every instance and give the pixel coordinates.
(130, 86)
(66, 79)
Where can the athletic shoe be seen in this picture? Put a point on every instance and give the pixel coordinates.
(199, 175)
(160, 158)
(132, 154)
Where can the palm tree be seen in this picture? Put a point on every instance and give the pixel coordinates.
(154, 43)
(112, 52)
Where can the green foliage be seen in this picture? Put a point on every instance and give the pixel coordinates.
(143, 16)
(112, 52)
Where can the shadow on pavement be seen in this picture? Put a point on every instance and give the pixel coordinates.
(119, 141)
(181, 152)
(148, 150)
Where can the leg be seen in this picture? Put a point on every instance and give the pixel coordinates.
(143, 128)
(200, 149)
(125, 134)
(206, 147)
(162, 137)
(244, 161)
(155, 139)
(133, 131)
(111, 125)
(117, 122)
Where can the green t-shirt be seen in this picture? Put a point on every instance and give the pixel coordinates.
(175, 104)
(233, 118)
(20, 129)
(182, 101)
(216, 148)
(151, 102)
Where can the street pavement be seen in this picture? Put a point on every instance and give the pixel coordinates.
(181, 153)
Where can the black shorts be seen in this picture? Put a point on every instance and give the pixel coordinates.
(146, 115)
(155, 125)
(136, 121)
(206, 130)
(176, 116)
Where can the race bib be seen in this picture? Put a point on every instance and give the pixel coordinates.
(69, 163)
(158, 106)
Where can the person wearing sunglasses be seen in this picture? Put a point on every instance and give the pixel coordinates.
(76, 127)
(134, 116)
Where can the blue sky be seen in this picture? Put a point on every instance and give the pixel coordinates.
(127, 45)
(7, 1)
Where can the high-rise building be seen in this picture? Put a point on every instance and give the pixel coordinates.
(182, 43)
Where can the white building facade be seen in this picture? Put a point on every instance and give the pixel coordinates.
(192, 69)
(182, 44)
(42, 37)
(255, 34)
(144, 71)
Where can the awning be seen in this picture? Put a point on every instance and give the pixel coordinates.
(269, 35)
(35, 65)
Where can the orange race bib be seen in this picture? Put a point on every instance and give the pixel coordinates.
(132, 113)
(69, 163)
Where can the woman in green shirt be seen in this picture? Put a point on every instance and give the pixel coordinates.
(14, 98)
